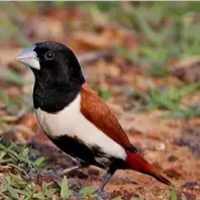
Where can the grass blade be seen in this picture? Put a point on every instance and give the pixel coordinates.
(65, 192)
(173, 195)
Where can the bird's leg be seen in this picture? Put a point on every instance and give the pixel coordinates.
(79, 166)
(99, 191)
(66, 171)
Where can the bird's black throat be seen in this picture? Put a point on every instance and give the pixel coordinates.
(52, 96)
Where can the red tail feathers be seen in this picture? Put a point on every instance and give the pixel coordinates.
(137, 163)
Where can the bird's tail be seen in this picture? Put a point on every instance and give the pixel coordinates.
(137, 163)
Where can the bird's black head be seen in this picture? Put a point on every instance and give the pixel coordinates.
(58, 75)
(52, 62)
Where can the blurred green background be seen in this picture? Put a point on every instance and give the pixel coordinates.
(163, 30)
(154, 36)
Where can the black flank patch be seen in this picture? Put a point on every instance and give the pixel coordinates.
(88, 155)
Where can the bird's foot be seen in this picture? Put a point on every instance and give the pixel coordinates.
(74, 168)
(68, 170)
(77, 194)
(102, 195)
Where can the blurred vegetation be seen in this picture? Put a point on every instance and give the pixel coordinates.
(163, 28)
(164, 31)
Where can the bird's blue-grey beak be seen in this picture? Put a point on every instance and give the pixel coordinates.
(29, 58)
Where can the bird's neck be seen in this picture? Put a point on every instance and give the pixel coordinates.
(54, 96)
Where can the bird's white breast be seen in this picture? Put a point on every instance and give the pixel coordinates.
(72, 123)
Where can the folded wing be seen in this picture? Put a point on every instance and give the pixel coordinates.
(97, 112)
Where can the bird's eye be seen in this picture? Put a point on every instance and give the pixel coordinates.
(49, 55)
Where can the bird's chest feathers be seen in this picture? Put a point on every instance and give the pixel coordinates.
(71, 123)
(62, 122)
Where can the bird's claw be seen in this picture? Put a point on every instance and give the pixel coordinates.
(77, 194)
(101, 195)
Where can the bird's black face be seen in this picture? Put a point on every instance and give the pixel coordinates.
(52, 62)
(58, 75)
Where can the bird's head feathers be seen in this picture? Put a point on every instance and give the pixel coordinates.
(52, 61)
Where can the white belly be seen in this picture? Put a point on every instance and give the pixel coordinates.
(72, 123)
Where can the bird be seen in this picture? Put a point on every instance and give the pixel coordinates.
(75, 118)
